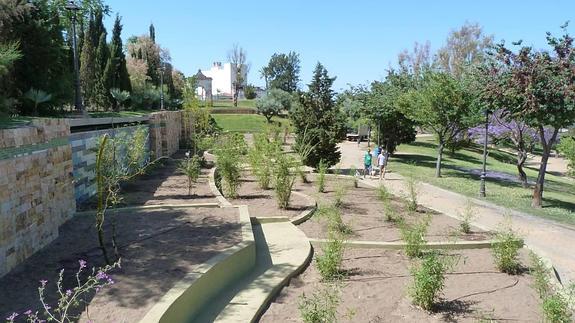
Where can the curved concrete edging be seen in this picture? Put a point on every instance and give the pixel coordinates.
(212, 181)
(306, 214)
(455, 245)
(187, 297)
(151, 207)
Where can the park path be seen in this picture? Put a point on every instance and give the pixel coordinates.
(549, 239)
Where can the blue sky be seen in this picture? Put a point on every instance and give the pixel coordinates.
(356, 40)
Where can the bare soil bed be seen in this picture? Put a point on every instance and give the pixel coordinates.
(163, 184)
(376, 290)
(263, 203)
(158, 248)
(363, 212)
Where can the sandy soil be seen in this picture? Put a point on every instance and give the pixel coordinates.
(376, 291)
(363, 212)
(163, 185)
(262, 203)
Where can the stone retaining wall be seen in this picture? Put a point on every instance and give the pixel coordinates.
(84, 150)
(165, 133)
(36, 188)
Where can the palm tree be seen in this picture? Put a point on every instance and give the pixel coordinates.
(38, 97)
(120, 97)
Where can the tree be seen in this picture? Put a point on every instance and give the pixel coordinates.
(88, 65)
(238, 59)
(383, 108)
(442, 104)
(504, 128)
(567, 147)
(116, 73)
(273, 103)
(464, 47)
(282, 72)
(250, 92)
(318, 120)
(152, 33)
(541, 83)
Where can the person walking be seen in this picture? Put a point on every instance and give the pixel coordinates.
(381, 162)
(367, 162)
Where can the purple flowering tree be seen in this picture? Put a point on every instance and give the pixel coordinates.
(502, 127)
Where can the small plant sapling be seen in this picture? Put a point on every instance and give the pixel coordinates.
(321, 306)
(429, 279)
(284, 179)
(353, 172)
(191, 167)
(414, 237)
(466, 217)
(329, 261)
(411, 200)
(322, 170)
(505, 250)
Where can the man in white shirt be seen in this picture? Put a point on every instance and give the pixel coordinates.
(381, 161)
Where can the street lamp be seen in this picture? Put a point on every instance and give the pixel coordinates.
(73, 8)
(484, 171)
(162, 86)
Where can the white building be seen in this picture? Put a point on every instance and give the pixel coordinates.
(223, 77)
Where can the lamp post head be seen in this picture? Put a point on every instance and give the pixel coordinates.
(72, 6)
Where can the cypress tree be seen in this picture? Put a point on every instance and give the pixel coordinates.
(152, 33)
(101, 93)
(88, 64)
(116, 73)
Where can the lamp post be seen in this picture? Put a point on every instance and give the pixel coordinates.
(484, 171)
(73, 8)
(162, 86)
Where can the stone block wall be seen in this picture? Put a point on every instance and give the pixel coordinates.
(36, 188)
(84, 150)
(165, 133)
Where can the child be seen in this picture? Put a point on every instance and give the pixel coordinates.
(367, 162)
(381, 161)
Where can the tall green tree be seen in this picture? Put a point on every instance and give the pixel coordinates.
(88, 64)
(383, 108)
(116, 74)
(542, 86)
(443, 104)
(282, 72)
(317, 118)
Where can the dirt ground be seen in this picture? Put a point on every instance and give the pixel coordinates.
(263, 203)
(163, 184)
(376, 290)
(157, 249)
(363, 212)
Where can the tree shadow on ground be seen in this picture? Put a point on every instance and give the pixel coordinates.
(451, 310)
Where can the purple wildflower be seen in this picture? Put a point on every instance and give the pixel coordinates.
(43, 282)
(28, 312)
(102, 276)
(82, 263)
(68, 292)
(12, 317)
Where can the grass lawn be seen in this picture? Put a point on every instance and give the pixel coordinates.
(245, 122)
(418, 159)
(9, 122)
(248, 104)
(121, 114)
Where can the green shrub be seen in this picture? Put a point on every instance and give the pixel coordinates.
(466, 217)
(328, 263)
(567, 147)
(505, 250)
(321, 306)
(428, 280)
(411, 201)
(191, 167)
(261, 156)
(283, 179)
(229, 152)
(322, 169)
(385, 197)
(414, 237)
(556, 309)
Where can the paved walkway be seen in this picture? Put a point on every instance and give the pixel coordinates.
(551, 240)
